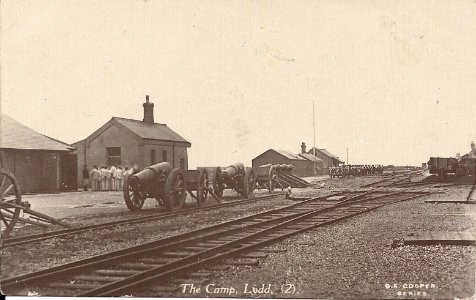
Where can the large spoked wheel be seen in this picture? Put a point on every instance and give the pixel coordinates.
(218, 185)
(10, 202)
(175, 190)
(249, 183)
(202, 186)
(272, 179)
(133, 196)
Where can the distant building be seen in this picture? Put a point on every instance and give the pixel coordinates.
(40, 163)
(472, 153)
(328, 159)
(130, 142)
(303, 163)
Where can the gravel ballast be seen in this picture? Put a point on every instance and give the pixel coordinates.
(354, 258)
(349, 259)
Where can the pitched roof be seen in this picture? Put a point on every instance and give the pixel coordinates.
(14, 135)
(289, 155)
(155, 131)
(470, 154)
(325, 152)
(310, 157)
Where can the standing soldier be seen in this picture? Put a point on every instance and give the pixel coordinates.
(104, 178)
(112, 179)
(95, 178)
(85, 178)
(119, 177)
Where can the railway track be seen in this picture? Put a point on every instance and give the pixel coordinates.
(472, 195)
(399, 179)
(125, 271)
(13, 241)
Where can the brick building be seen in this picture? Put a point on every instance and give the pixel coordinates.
(303, 163)
(130, 142)
(40, 163)
(328, 159)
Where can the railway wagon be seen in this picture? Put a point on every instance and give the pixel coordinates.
(442, 166)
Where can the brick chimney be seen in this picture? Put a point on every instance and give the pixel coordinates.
(148, 111)
(303, 148)
(473, 147)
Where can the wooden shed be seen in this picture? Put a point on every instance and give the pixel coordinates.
(40, 163)
(304, 164)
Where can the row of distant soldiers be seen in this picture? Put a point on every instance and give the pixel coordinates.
(104, 178)
(355, 170)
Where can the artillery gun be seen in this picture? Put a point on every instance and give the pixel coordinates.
(169, 186)
(235, 177)
(267, 177)
(286, 178)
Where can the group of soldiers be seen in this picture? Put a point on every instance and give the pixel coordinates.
(355, 170)
(104, 178)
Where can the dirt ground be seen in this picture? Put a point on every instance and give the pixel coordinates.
(350, 259)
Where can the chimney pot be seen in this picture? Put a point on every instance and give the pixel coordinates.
(148, 110)
(303, 147)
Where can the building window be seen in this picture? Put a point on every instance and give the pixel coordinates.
(153, 158)
(164, 155)
(113, 156)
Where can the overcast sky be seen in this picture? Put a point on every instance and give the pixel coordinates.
(394, 81)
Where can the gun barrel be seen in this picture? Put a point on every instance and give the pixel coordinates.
(233, 170)
(152, 172)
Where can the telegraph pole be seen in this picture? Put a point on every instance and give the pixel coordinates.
(314, 133)
(347, 155)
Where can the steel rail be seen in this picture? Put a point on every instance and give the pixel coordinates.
(471, 193)
(396, 176)
(223, 251)
(13, 241)
(160, 244)
(176, 241)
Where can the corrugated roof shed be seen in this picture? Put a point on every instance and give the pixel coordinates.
(311, 157)
(289, 155)
(14, 135)
(154, 131)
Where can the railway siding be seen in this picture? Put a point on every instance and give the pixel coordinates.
(236, 240)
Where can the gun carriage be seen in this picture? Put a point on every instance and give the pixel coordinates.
(235, 177)
(10, 201)
(267, 177)
(169, 186)
(11, 205)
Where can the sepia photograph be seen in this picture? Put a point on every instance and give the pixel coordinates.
(275, 149)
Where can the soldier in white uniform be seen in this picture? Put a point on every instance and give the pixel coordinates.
(95, 178)
(119, 177)
(112, 179)
(105, 174)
